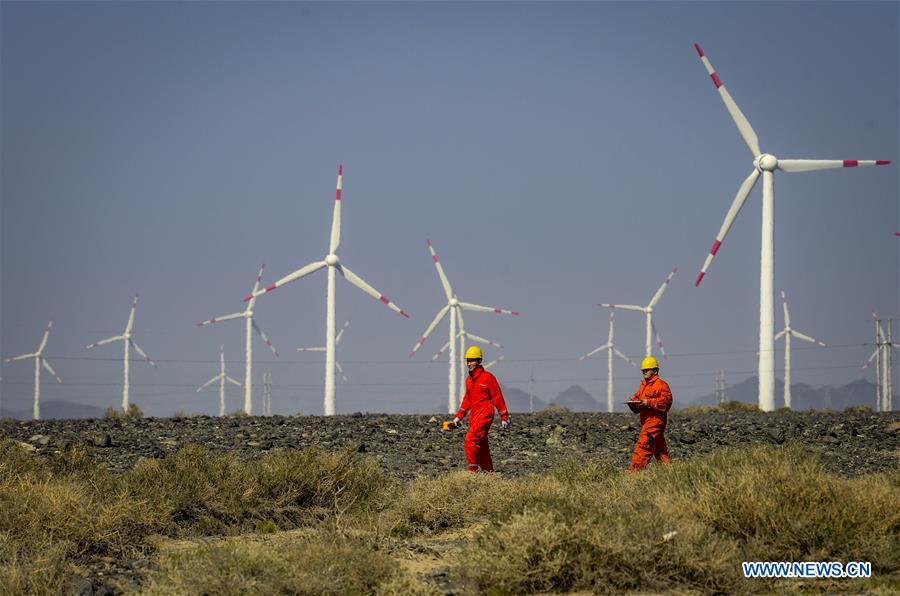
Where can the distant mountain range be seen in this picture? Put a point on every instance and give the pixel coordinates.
(803, 396)
(57, 409)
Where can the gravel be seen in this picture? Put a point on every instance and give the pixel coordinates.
(849, 443)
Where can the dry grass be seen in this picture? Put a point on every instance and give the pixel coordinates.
(728, 406)
(585, 526)
(318, 563)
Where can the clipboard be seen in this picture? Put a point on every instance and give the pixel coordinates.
(634, 406)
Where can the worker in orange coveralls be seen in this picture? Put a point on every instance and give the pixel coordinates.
(482, 396)
(654, 398)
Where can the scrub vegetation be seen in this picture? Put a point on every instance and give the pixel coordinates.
(312, 522)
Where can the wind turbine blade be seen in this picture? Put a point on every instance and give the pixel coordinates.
(130, 324)
(138, 349)
(808, 165)
(479, 308)
(237, 315)
(258, 279)
(612, 318)
(448, 291)
(22, 357)
(303, 271)
(659, 342)
(443, 349)
(494, 361)
(624, 357)
(780, 334)
(624, 307)
(437, 319)
(40, 349)
(208, 383)
(365, 287)
(872, 357)
(474, 337)
(594, 351)
(739, 199)
(661, 289)
(263, 337)
(341, 370)
(50, 370)
(232, 381)
(743, 125)
(336, 218)
(315, 349)
(104, 341)
(337, 340)
(799, 335)
(784, 306)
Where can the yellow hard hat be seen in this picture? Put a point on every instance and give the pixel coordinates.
(474, 352)
(649, 362)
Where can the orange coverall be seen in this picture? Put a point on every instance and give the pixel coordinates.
(651, 441)
(482, 396)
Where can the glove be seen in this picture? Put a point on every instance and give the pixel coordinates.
(457, 422)
(504, 423)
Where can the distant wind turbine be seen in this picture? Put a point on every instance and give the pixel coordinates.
(39, 361)
(787, 333)
(334, 264)
(251, 324)
(765, 164)
(337, 342)
(648, 311)
(221, 377)
(128, 342)
(610, 348)
(455, 308)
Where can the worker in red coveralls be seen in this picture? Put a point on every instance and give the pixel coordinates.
(482, 396)
(653, 400)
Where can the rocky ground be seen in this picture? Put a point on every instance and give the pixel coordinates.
(849, 442)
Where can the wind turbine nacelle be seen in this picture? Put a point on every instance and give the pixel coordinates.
(454, 302)
(766, 163)
(331, 260)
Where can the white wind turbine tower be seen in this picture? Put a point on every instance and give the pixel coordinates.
(610, 348)
(455, 308)
(334, 264)
(648, 311)
(221, 378)
(337, 342)
(765, 164)
(128, 342)
(39, 361)
(251, 324)
(787, 332)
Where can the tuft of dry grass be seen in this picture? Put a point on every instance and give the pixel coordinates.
(322, 563)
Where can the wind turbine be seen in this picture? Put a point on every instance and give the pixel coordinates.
(494, 361)
(610, 348)
(765, 164)
(334, 264)
(455, 308)
(221, 377)
(787, 332)
(883, 366)
(251, 324)
(39, 361)
(128, 342)
(648, 310)
(337, 341)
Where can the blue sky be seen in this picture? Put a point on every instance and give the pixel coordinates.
(557, 154)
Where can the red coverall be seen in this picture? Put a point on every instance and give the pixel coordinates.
(653, 423)
(482, 396)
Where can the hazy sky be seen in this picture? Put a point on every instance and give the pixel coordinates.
(557, 154)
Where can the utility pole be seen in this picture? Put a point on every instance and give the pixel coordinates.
(720, 386)
(267, 394)
(531, 391)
